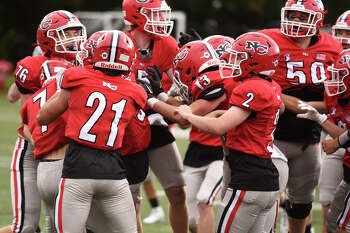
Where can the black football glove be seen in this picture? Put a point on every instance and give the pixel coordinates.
(146, 86)
(154, 77)
(188, 37)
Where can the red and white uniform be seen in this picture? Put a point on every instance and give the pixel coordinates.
(208, 86)
(255, 135)
(25, 197)
(301, 73)
(94, 90)
(46, 137)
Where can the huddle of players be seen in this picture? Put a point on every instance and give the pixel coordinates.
(89, 129)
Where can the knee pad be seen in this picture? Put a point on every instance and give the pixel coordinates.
(298, 211)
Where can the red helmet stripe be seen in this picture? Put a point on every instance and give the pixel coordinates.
(114, 47)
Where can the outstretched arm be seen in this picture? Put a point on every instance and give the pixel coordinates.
(218, 126)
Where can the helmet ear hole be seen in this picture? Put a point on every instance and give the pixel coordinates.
(188, 71)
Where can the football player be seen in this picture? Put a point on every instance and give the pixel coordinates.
(253, 186)
(341, 29)
(62, 33)
(150, 29)
(100, 101)
(332, 165)
(337, 103)
(305, 55)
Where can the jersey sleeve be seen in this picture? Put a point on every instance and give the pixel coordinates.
(139, 95)
(250, 96)
(24, 112)
(69, 78)
(207, 88)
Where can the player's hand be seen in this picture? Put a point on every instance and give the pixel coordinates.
(311, 113)
(184, 111)
(188, 37)
(330, 146)
(154, 78)
(146, 86)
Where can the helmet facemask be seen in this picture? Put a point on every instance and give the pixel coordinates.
(65, 44)
(303, 28)
(232, 68)
(158, 20)
(336, 85)
(182, 88)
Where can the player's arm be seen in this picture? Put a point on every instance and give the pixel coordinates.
(311, 113)
(291, 103)
(13, 93)
(218, 126)
(54, 107)
(26, 133)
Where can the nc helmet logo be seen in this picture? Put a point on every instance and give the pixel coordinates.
(181, 56)
(257, 47)
(45, 24)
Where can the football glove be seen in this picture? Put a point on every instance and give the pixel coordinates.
(311, 113)
(185, 37)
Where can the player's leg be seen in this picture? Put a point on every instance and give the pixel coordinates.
(304, 169)
(157, 213)
(283, 170)
(49, 176)
(337, 206)
(343, 223)
(193, 178)
(165, 162)
(207, 194)
(240, 211)
(73, 204)
(330, 177)
(115, 201)
(26, 203)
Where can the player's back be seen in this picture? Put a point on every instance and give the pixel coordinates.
(100, 107)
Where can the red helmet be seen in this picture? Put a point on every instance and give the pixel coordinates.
(343, 23)
(251, 54)
(85, 55)
(340, 80)
(220, 44)
(192, 59)
(152, 16)
(307, 25)
(52, 38)
(114, 50)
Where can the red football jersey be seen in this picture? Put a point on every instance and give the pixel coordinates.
(207, 86)
(339, 115)
(100, 107)
(163, 53)
(255, 135)
(137, 135)
(46, 137)
(27, 74)
(303, 67)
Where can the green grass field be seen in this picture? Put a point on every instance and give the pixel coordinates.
(9, 122)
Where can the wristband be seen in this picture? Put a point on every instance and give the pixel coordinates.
(163, 97)
(152, 101)
(344, 139)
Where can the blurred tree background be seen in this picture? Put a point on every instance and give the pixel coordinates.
(20, 18)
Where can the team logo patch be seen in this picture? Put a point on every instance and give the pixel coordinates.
(257, 47)
(287, 57)
(321, 56)
(181, 56)
(45, 24)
